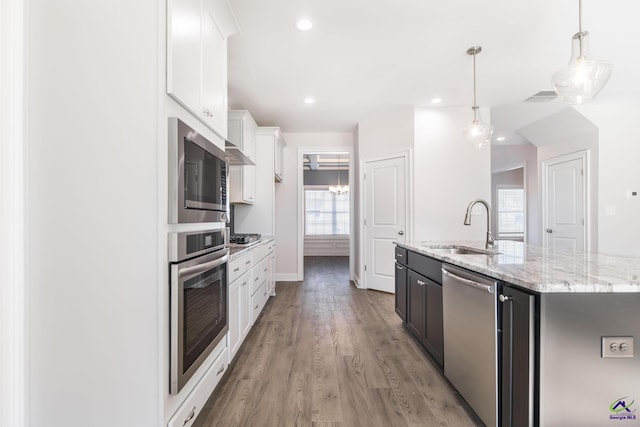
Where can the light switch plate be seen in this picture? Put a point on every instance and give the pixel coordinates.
(617, 347)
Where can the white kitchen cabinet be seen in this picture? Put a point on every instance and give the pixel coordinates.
(279, 147)
(260, 217)
(242, 178)
(197, 35)
(239, 312)
(272, 268)
(193, 404)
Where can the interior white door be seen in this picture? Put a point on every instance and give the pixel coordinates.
(385, 207)
(565, 203)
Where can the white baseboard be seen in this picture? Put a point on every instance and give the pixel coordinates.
(286, 277)
(356, 280)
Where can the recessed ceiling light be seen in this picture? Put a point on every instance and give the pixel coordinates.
(436, 100)
(309, 100)
(304, 24)
(500, 138)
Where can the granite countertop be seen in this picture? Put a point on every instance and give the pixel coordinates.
(542, 270)
(236, 251)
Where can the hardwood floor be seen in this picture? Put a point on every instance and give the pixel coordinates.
(325, 353)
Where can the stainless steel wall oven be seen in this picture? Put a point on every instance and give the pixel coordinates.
(197, 177)
(198, 299)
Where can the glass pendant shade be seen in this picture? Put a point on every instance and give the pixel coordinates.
(584, 77)
(478, 133)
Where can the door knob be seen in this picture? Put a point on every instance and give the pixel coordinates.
(401, 233)
(549, 230)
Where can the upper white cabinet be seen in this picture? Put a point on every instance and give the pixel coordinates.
(242, 178)
(279, 157)
(197, 32)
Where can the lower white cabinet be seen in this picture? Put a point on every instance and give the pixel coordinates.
(239, 312)
(187, 413)
(251, 284)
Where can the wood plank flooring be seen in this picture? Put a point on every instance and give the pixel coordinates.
(324, 353)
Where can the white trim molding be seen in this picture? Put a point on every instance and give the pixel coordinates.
(407, 155)
(300, 203)
(13, 335)
(585, 157)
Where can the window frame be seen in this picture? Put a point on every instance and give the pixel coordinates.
(323, 236)
(519, 236)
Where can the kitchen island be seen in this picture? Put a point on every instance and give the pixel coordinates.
(566, 325)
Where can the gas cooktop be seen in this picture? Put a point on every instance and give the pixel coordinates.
(244, 238)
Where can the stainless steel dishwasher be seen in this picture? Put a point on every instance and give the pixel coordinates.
(470, 339)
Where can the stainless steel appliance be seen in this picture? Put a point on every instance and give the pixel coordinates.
(197, 177)
(471, 339)
(199, 299)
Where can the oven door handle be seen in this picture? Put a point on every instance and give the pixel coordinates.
(189, 272)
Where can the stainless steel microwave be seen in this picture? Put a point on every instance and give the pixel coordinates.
(197, 177)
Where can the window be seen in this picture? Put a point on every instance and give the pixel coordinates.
(326, 213)
(510, 212)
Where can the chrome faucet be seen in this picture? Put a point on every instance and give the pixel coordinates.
(467, 220)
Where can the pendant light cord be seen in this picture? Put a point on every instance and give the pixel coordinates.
(580, 33)
(580, 16)
(475, 104)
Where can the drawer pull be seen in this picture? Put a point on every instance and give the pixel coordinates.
(399, 267)
(221, 370)
(256, 279)
(265, 270)
(244, 283)
(265, 293)
(399, 255)
(248, 262)
(190, 417)
(236, 269)
(421, 283)
(256, 307)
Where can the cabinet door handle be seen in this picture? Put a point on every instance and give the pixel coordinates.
(256, 307)
(399, 255)
(399, 267)
(256, 279)
(190, 417)
(236, 269)
(248, 262)
(221, 370)
(244, 283)
(265, 270)
(421, 283)
(504, 298)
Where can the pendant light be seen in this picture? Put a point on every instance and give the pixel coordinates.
(477, 133)
(339, 189)
(581, 80)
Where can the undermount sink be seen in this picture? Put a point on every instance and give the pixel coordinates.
(461, 250)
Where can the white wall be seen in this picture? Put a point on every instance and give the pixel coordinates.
(326, 246)
(287, 220)
(92, 208)
(448, 174)
(619, 152)
(385, 132)
(507, 157)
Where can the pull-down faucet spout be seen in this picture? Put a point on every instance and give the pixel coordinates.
(467, 220)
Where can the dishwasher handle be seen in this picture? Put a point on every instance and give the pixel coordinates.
(470, 283)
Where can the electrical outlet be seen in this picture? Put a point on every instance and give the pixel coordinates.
(617, 347)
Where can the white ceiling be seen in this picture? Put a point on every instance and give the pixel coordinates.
(368, 55)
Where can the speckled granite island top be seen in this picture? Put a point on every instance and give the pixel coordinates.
(539, 269)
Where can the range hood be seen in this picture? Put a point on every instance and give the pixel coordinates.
(235, 156)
